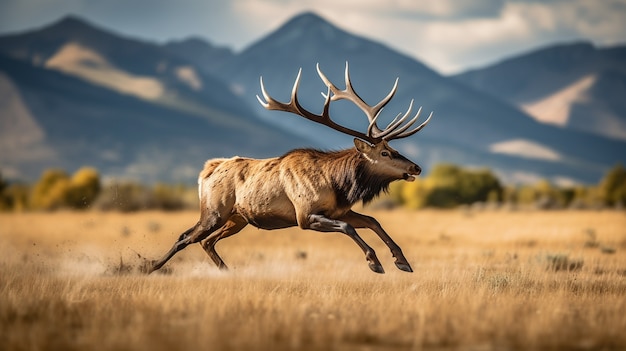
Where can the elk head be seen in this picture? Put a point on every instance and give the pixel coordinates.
(386, 161)
(373, 144)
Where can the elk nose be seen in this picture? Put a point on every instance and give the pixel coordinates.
(415, 169)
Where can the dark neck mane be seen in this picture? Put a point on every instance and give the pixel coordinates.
(351, 175)
(353, 179)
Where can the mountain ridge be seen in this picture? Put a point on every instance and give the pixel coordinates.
(84, 121)
(470, 127)
(593, 79)
(465, 118)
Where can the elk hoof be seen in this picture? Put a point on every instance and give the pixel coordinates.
(377, 268)
(147, 266)
(404, 267)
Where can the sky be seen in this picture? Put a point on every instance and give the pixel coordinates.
(449, 36)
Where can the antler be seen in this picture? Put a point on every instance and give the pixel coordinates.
(396, 129)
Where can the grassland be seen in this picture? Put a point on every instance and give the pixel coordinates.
(483, 281)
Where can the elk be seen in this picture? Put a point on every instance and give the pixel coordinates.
(308, 188)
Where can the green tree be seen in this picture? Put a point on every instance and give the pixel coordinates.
(443, 186)
(450, 185)
(49, 192)
(613, 186)
(167, 197)
(3, 184)
(13, 197)
(4, 198)
(396, 190)
(55, 189)
(17, 196)
(414, 194)
(83, 189)
(125, 197)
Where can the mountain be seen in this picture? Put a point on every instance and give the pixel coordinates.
(198, 51)
(72, 94)
(126, 65)
(575, 86)
(469, 127)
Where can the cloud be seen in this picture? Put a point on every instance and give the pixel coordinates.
(447, 35)
(421, 10)
(456, 43)
(453, 35)
(525, 148)
(442, 9)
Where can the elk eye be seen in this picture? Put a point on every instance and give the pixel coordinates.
(384, 154)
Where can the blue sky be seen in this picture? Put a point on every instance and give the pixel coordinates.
(448, 35)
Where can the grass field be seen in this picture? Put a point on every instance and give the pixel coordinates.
(492, 280)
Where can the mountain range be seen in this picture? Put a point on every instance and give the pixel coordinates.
(575, 86)
(75, 94)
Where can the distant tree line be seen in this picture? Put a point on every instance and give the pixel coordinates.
(447, 186)
(56, 190)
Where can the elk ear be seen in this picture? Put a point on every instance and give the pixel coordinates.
(361, 145)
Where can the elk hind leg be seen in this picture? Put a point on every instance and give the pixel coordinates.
(358, 220)
(325, 224)
(181, 243)
(197, 233)
(234, 224)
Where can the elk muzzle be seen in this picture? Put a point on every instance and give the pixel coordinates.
(413, 171)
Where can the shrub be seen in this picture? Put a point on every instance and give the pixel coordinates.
(449, 186)
(55, 189)
(47, 191)
(613, 187)
(84, 188)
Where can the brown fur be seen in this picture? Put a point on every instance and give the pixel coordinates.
(305, 187)
(309, 188)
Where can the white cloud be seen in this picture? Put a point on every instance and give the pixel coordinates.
(453, 35)
(525, 148)
(443, 9)
(448, 35)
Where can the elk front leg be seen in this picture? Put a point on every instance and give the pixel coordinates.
(358, 220)
(324, 224)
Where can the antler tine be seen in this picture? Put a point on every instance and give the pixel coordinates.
(394, 132)
(374, 110)
(397, 122)
(413, 131)
(389, 96)
(350, 94)
(272, 104)
(372, 125)
(265, 95)
(294, 107)
(294, 99)
(328, 83)
(396, 129)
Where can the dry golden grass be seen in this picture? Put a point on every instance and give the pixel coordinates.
(482, 281)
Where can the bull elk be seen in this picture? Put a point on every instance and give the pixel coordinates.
(305, 187)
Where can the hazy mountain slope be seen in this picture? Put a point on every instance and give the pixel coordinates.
(76, 94)
(50, 119)
(129, 66)
(469, 126)
(201, 53)
(574, 85)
